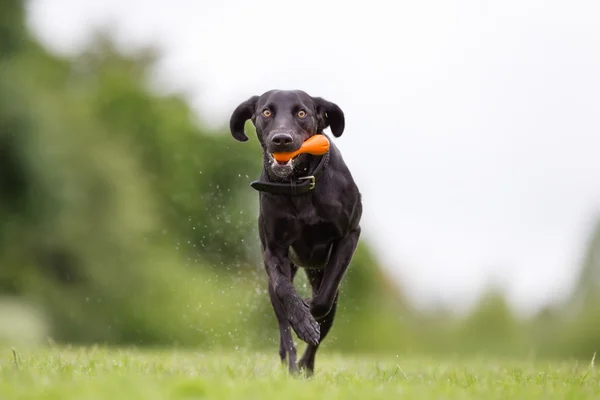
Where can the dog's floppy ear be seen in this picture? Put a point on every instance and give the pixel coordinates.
(329, 114)
(240, 115)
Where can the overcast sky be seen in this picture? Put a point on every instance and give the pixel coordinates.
(473, 127)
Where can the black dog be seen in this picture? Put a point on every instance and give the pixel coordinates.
(310, 211)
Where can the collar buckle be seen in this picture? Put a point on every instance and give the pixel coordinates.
(312, 180)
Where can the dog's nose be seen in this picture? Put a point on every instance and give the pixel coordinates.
(282, 139)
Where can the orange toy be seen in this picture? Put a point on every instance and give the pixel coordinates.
(316, 145)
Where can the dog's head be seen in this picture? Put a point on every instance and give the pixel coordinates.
(284, 119)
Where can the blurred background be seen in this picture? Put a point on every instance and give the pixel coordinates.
(126, 216)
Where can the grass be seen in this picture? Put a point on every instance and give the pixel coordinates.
(98, 373)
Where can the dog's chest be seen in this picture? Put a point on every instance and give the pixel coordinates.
(306, 212)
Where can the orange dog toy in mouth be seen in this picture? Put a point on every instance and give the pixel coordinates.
(316, 145)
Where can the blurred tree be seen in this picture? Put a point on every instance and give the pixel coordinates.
(115, 200)
(588, 287)
(491, 327)
(12, 27)
(198, 175)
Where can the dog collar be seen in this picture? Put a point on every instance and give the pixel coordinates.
(296, 187)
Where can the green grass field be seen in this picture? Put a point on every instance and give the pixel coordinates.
(135, 374)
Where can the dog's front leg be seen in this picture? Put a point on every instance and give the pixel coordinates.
(297, 310)
(340, 258)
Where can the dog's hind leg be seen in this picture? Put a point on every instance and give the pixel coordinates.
(307, 362)
(327, 292)
(286, 340)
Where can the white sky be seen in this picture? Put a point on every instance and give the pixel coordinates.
(472, 127)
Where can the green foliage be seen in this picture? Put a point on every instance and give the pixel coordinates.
(125, 220)
(198, 175)
(589, 280)
(12, 27)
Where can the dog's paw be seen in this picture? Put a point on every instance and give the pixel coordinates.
(303, 322)
(307, 365)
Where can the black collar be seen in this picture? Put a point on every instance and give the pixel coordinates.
(298, 186)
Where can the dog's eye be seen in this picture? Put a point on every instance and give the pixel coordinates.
(267, 113)
(301, 113)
